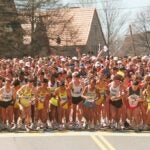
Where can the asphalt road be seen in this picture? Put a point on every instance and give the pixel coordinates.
(75, 141)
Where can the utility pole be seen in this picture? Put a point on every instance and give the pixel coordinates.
(32, 25)
(132, 40)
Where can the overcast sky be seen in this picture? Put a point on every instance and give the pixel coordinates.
(129, 5)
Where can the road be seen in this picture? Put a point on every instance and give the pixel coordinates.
(75, 141)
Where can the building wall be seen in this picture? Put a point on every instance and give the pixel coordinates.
(67, 51)
(96, 36)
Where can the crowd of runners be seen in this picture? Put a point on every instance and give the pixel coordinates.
(84, 92)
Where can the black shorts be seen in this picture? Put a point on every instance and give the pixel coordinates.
(4, 104)
(76, 100)
(117, 104)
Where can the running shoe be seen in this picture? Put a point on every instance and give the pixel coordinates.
(14, 127)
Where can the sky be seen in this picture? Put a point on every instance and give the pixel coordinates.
(133, 6)
(136, 3)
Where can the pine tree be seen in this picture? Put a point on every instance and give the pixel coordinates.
(30, 10)
(10, 30)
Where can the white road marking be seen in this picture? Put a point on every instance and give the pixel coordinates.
(109, 146)
(71, 133)
(98, 143)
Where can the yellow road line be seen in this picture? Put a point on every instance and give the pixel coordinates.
(109, 146)
(98, 143)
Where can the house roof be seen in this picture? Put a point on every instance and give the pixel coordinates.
(77, 30)
(72, 25)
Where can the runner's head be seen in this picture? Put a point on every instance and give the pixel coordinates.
(135, 84)
(30, 81)
(117, 79)
(7, 81)
(62, 84)
(76, 76)
(45, 82)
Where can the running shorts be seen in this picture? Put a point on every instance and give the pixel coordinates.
(5, 104)
(64, 106)
(117, 104)
(54, 101)
(40, 105)
(76, 100)
(100, 101)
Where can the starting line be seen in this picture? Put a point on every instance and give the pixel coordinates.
(50, 134)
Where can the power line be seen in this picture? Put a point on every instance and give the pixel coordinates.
(125, 8)
(97, 2)
(92, 3)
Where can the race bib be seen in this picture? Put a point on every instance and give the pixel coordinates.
(42, 98)
(133, 100)
(90, 99)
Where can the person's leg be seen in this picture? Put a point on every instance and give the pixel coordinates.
(32, 113)
(10, 116)
(136, 116)
(74, 112)
(143, 109)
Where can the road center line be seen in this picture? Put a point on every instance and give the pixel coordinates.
(98, 143)
(109, 146)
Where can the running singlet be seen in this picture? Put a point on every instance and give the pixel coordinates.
(26, 96)
(133, 97)
(63, 99)
(91, 95)
(53, 87)
(41, 98)
(102, 91)
(114, 91)
(6, 96)
(147, 97)
(41, 95)
(53, 100)
(76, 90)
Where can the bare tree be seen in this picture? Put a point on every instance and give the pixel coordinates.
(60, 28)
(142, 30)
(54, 20)
(29, 10)
(113, 22)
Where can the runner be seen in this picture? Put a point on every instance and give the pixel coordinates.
(116, 92)
(101, 104)
(16, 111)
(134, 97)
(90, 95)
(146, 94)
(76, 87)
(53, 102)
(63, 95)
(26, 96)
(7, 97)
(42, 104)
